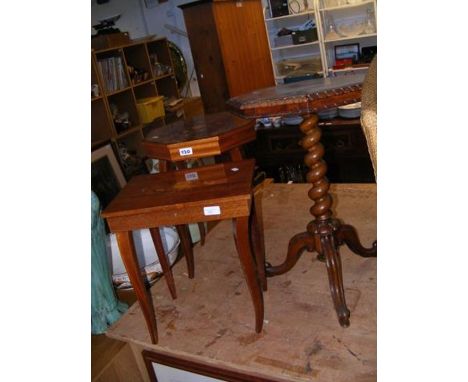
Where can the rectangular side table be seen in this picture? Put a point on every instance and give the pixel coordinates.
(217, 192)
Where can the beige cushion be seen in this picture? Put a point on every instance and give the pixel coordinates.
(369, 111)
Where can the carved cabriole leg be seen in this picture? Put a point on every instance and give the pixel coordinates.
(241, 238)
(130, 260)
(296, 247)
(347, 235)
(165, 266)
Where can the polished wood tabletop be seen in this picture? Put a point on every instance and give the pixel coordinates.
(179, 197)
(199, 137)
(305, 97)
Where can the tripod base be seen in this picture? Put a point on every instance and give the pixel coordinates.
(325, 237)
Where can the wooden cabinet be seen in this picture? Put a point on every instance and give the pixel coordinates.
(229, 47)
(277, 152)
(120, 77)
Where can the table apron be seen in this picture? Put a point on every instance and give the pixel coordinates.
(182, 215)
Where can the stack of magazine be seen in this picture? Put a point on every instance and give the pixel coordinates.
(113, 73)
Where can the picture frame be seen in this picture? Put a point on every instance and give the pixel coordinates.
(348, 51)
(107, 177)
(166, 368)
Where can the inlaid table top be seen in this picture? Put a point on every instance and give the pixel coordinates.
(205, 193)
(310, 96)
(199, 136)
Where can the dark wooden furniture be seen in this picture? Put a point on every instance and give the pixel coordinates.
(207, 193)
(229, 48)
(279, 154)
(324, 234)
(194, 138)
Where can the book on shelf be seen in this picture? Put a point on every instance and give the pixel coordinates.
(113, 73)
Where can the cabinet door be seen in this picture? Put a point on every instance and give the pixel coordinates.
(244, 45)
(201, 30)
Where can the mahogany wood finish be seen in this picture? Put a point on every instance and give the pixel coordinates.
(244, 45)
(229, 47)
(207, 58)
(205, 135)
(130, 260)
(174, 198)
(324, 234)
(165, 266)
(305, 97)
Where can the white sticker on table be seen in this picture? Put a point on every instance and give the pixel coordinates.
(185, 151)
(191, 176)
(211, 210)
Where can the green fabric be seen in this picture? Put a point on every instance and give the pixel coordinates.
(105, 307)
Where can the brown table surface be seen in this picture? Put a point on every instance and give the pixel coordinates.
(211, 320)
(198, 127)
(310, 96)
(174, 191)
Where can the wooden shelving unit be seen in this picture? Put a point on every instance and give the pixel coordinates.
(118, 92)
(318, 57)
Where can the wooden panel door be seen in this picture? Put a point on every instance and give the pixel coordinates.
(244, 45)
(201, 30)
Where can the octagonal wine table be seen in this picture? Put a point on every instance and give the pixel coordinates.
(216, 192)
(324, 234)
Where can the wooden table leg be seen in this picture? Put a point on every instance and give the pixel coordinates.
(165, 266)
(130, 260)
(258, 240)
(241, 233)
(184, 235)
(324, 234)
(236, 154)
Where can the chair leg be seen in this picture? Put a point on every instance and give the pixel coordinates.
(166, 268)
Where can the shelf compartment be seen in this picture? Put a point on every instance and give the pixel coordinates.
(346, 6)
(111, 65)
(138, 64)
(167, 87)
(295, 45)
(123, 103)
(352, 37)
(160, 58)
(145, 90)
(309, 12)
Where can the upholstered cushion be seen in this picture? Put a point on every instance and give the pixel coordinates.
(369, 111)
